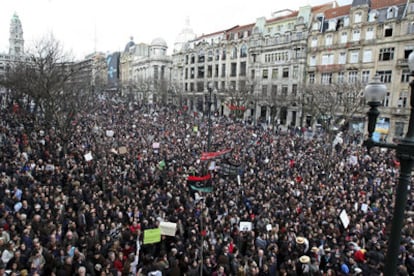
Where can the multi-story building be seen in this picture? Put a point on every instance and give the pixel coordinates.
(353, 43)
(256, 68)
(277, 63)
(146, 71)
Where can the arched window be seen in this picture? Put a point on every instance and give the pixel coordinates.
(234, 52)
(243, 51)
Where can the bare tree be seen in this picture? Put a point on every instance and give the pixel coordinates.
(59, 88)
(237, 101)
(333, 105)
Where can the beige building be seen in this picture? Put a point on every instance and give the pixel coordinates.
(145, 72)
(256, 69)
(353, 43)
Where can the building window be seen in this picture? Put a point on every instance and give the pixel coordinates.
(352, 76)
(243, 51)
(358, 17)
(407, 52)
(209, 71)
(410, 29)
(264, 90)
(201, 56)
(192, 60)
(385, 76)
(312, 61)
(403, 99)
(233, 69)
(367, 57)
(275, 73)
(354, 57)
(285, 73)
(210, 56)
(223, 54)
(314, 42)
(328, 40)
(326, 78)
(294, 90)
(372, 16)
(392, 12)
(344, 37)
(327, 59)
(387, 99)
(234, 53)
(342, 58)
(243, 68)
(399, 129)
(356, 35)
(388, 31)
(223, 70)
(295, 72)
(217, 54)
(216, 70)
(341, 77)
(369, 34)
(405, 75)
(311, 78)
(274, 90)
(386, 54)
(265, 73)
(192, 73)
(365, 76)
(200, 73)
(284, 91)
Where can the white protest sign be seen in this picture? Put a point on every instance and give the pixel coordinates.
(212, 166)
(155, 145)
(168, 228)
(364, 207)
(344, 218)
(269, 227)
(109, 133)
(245, 226)
(88, 156)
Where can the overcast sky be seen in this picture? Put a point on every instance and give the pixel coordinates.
(85, 25)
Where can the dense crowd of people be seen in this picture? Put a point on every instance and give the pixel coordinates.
(80, 207)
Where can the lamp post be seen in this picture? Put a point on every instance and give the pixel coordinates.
(374, 94)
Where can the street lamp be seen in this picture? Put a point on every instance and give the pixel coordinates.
(374, 94)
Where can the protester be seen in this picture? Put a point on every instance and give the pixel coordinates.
(81, 207)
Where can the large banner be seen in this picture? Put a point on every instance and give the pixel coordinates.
(212, 155)
(112, 61)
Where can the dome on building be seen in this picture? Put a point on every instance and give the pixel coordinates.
(159, 42)
(129, 45)
(185, 35)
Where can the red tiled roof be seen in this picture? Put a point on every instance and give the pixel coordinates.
(337, 12)
(378, 4)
